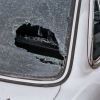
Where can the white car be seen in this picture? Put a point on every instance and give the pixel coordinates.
(49, 50)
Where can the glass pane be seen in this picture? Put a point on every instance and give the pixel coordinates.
(54, 16)
(96, 32)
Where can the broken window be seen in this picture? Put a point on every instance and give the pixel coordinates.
(35, 37)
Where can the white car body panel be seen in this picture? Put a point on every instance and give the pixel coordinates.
(83, 82)
(21, 92)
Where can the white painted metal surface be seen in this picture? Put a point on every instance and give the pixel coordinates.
(84, 82)
(21, 92)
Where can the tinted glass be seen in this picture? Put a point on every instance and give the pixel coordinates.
(96, 52)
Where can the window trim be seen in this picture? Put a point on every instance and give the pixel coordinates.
(90, 33)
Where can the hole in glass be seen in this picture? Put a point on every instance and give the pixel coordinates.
(36, 39)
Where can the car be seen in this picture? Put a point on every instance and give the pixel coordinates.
(49, 50)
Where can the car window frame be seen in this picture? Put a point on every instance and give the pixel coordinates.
(93, 63)
(90, 33)
(69, 61)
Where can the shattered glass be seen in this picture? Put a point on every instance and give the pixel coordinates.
(50, 14)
